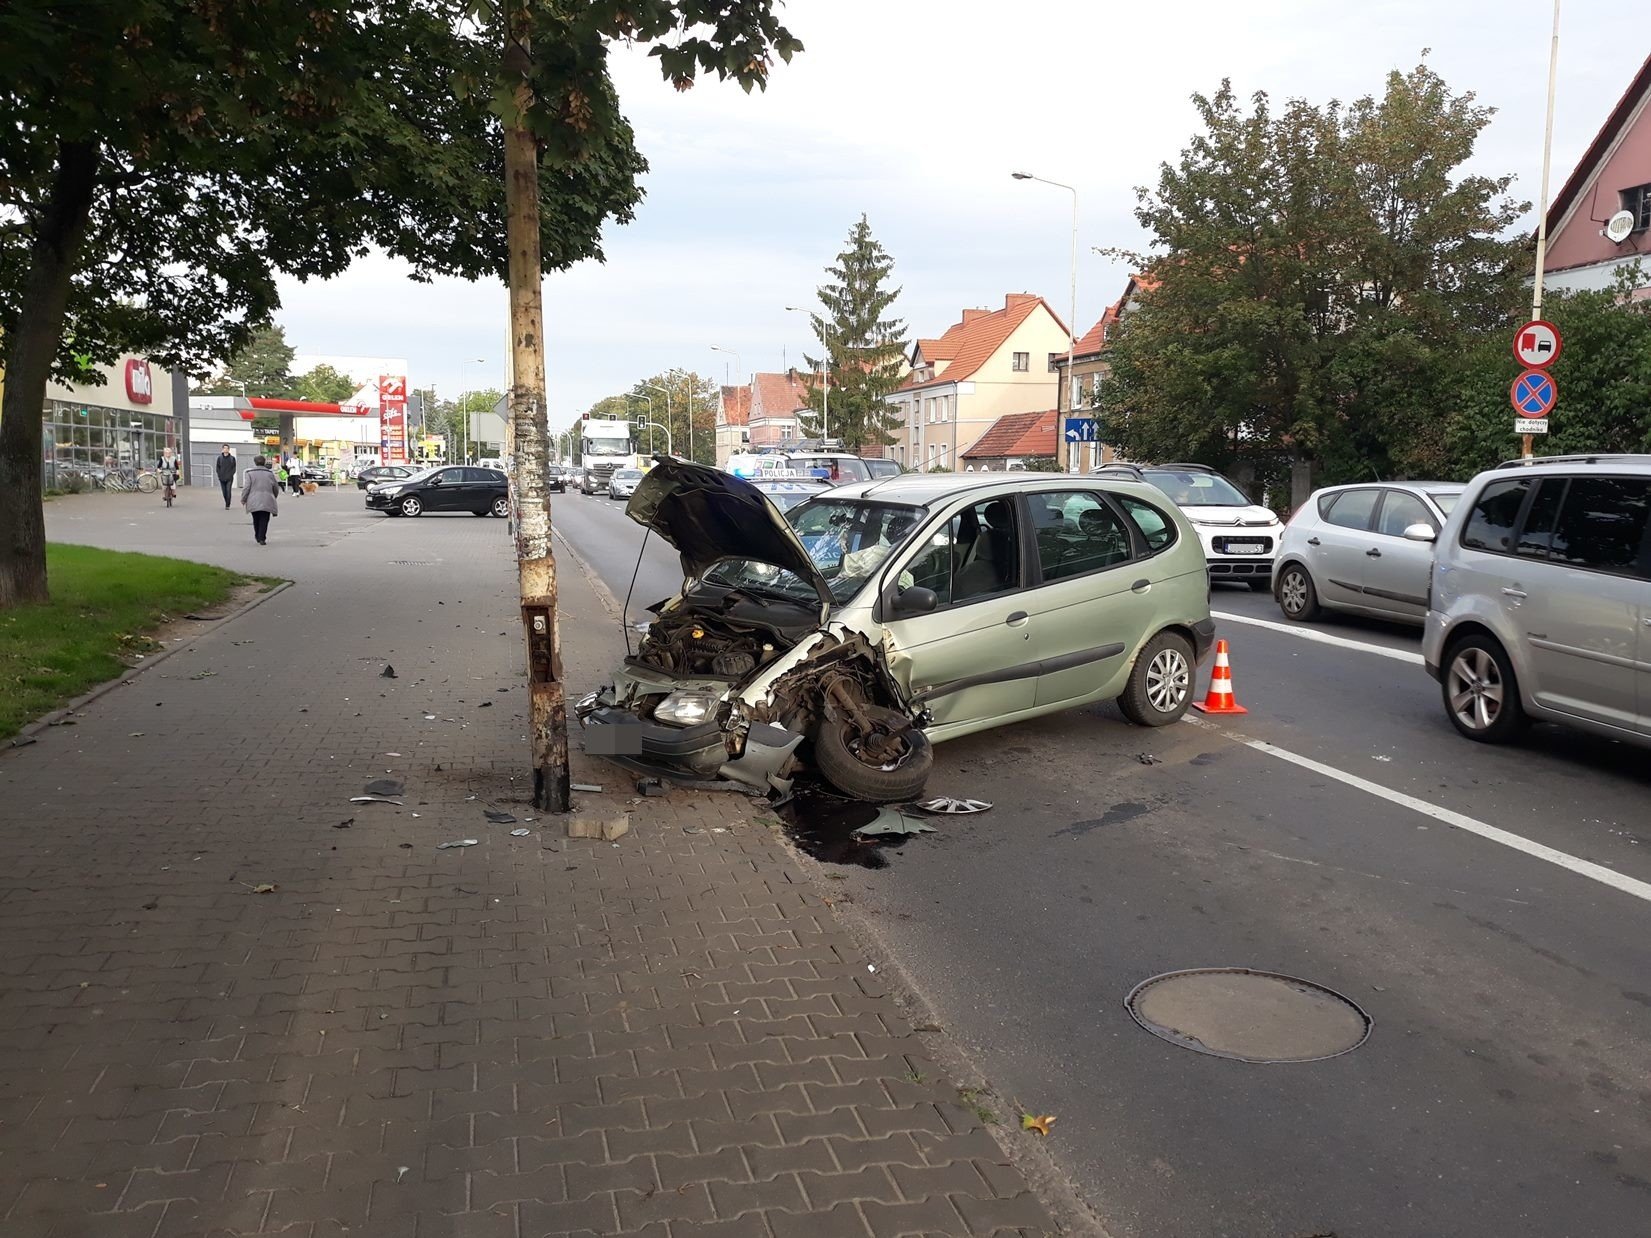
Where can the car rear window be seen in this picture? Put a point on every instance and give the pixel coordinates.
(1490, 525)
(1601, 523)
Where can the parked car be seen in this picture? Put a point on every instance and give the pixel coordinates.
(556, 478)
(1239, 537)
(622, 484)
(452, 488)
(787, 494)
(879, 618)
(882, 468)
(381, 472)
(1353, 548)
(1541, 599)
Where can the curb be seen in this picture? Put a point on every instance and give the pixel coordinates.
(32, 729)
(597, 584)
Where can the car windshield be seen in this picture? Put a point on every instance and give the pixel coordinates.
(846, 539)
(785, 500)
(1196, 489)
(628, 474)
(1444, 500)
(607, 446)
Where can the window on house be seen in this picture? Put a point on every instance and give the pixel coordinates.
(1023, 362)
(1638, 200)
(1055, 362)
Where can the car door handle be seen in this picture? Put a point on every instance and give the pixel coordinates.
(1016, 619)
(1312, 541)
(1374, 553)
(1141, 586)
(1518, 595)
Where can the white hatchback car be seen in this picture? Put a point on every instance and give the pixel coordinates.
(1239, 537)
(1362, 549)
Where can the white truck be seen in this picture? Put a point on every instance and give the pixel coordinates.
(603, 447)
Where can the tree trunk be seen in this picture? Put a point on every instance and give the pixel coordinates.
(28, 367)
(530, 424)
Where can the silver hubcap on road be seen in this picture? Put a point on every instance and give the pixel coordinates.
(1475, 689)
(1292, 590)
(1167, 679)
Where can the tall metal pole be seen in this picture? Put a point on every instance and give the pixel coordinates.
(1063, 453)
(739, 372)
(667, 391)
(530, 482)
(1542, 209)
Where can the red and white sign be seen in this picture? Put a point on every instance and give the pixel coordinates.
(140, 383)
(1536, 344)
(392, 415)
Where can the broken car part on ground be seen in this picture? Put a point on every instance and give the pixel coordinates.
(879, 618)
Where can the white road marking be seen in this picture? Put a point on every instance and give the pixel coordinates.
(1323, 638)
(1571, 863)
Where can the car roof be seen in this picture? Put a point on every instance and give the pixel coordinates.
(1626, 461)
(1431, 487)
(926, 489)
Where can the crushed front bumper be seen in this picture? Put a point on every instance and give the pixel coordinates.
(755, 754)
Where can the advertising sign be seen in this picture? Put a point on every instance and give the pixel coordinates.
(140, 382)
(392, 417)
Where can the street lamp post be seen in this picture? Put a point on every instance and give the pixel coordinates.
(825, 373)
(739, 372)
(464, 411)
(667, 391)
(655, 425)
(650, 400)
(1072, 316)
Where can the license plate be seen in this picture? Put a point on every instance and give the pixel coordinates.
(1246, 548)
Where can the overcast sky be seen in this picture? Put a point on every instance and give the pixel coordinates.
(915, 112)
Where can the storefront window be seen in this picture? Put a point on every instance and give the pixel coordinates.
(91, 441)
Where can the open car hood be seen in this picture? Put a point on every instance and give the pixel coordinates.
(709, 516)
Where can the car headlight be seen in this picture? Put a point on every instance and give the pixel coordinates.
(686, 708)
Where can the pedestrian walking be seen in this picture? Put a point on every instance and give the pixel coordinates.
(295, 476)
(258, 495)
(224, 466)
(169, 469)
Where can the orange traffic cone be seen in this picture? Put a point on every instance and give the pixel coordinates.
(1220, 699)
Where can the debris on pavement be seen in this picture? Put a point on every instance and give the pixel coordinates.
(1036, 1122)
(204, 618)
(389, 672)
(268, 887)
(1146, 758)
(345, 824)
(457, 842)
(891, 821)
(585, 786)
(499, 817)
(374, 799)
(651, 787)
(384, 786)
(485, 705)
(583, 824)
(521, 833)
(945, 804)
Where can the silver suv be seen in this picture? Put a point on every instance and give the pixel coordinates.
(1541, 599)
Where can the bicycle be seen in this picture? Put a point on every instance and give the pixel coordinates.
(131, 479)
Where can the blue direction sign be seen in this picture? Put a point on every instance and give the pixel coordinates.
(1533, 394)
(1082, 430)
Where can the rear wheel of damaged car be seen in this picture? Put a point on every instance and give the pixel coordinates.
(885, 764)
(1160, 683)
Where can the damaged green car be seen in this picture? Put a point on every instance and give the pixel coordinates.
(879, 618)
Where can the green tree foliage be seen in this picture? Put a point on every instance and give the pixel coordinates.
(162, 163)
(260, 367)
(1318, 273)
(671, 408)
(863, 345)
(324, 385)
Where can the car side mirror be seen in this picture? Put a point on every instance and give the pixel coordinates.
(1420, 533)
(915, 601)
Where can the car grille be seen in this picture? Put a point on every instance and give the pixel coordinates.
(1221, 544)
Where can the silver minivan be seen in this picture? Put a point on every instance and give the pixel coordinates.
(1541, 599)
(1366, 549)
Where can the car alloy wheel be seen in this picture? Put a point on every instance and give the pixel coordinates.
(1476, 689)
(1169, 679)
(501, 506)
(1292, 591)
(411, 506)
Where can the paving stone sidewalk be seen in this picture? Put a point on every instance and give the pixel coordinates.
(667, 1035)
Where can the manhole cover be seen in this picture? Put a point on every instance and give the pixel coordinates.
(1248, 1016)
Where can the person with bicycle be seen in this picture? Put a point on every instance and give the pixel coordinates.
(168, 467)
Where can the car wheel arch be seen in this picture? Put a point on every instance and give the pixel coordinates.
(1280, 564)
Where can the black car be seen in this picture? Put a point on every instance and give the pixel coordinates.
(453, 488)
(381, 472)
(556, 478)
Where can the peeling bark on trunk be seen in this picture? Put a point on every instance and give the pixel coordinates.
(530, 424)
(28, 366)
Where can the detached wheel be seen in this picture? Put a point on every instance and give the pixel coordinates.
(411, 506)
(1297, 597)
(886, 767)
(1480, 691)
(1160, 684)
(501, 507)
